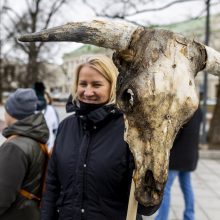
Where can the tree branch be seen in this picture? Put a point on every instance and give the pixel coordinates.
(90, 6)
(143, 10)
(54, 8)
(6, 8)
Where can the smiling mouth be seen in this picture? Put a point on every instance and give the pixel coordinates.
(89, 100)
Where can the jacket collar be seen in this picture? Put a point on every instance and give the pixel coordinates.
(95, 116)
(102, 113)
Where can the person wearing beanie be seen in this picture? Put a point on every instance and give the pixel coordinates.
(45, 106)
(22, 160)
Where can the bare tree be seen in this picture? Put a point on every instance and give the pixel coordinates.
(38, 15)
(127, 9)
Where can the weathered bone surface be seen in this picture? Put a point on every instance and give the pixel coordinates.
(116, 37)
(155, 89)
(157, 93)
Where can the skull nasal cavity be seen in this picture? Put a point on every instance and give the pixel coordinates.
(149, 179)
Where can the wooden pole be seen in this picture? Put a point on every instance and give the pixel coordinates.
(132, 204)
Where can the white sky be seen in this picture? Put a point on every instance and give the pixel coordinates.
(76, 12)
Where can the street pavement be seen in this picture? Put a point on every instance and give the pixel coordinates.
(205, 181)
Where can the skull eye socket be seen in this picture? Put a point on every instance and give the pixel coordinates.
(128, 99)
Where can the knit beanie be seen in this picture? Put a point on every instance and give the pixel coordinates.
(22, 103)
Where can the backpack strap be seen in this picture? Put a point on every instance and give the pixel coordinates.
(28, 195)
(44, 148)
(11, 137)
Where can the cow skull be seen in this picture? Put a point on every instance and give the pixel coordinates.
(155, 89)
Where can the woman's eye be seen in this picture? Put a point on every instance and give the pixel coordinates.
(82, 84)
(97, 85)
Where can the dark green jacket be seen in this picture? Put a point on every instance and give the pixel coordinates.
(21, 166)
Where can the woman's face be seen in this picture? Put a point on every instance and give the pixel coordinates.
(92, 87)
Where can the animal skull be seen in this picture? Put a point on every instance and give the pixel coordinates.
(155, 89)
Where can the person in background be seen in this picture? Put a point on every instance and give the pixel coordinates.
(45, 106)
(52, 119)
(183, 160)
(39, 88)
(89, 173)
(22, 160)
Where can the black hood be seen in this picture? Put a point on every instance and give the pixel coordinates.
(69, 105)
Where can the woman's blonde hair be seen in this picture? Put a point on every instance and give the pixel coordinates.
(106, 68)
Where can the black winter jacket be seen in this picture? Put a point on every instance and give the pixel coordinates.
(90, 171)
(184, 153)
(21, 167)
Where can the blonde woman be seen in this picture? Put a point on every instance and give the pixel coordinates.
(89, 174)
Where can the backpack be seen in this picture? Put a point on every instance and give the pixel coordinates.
(24, 192)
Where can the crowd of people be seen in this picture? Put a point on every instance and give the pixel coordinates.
(90, 169)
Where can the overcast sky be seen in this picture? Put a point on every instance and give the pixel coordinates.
(76, 12)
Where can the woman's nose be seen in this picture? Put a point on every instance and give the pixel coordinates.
(88, 91)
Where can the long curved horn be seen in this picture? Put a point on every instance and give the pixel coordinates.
(213, 61)
(106, 34)
(210, 59)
